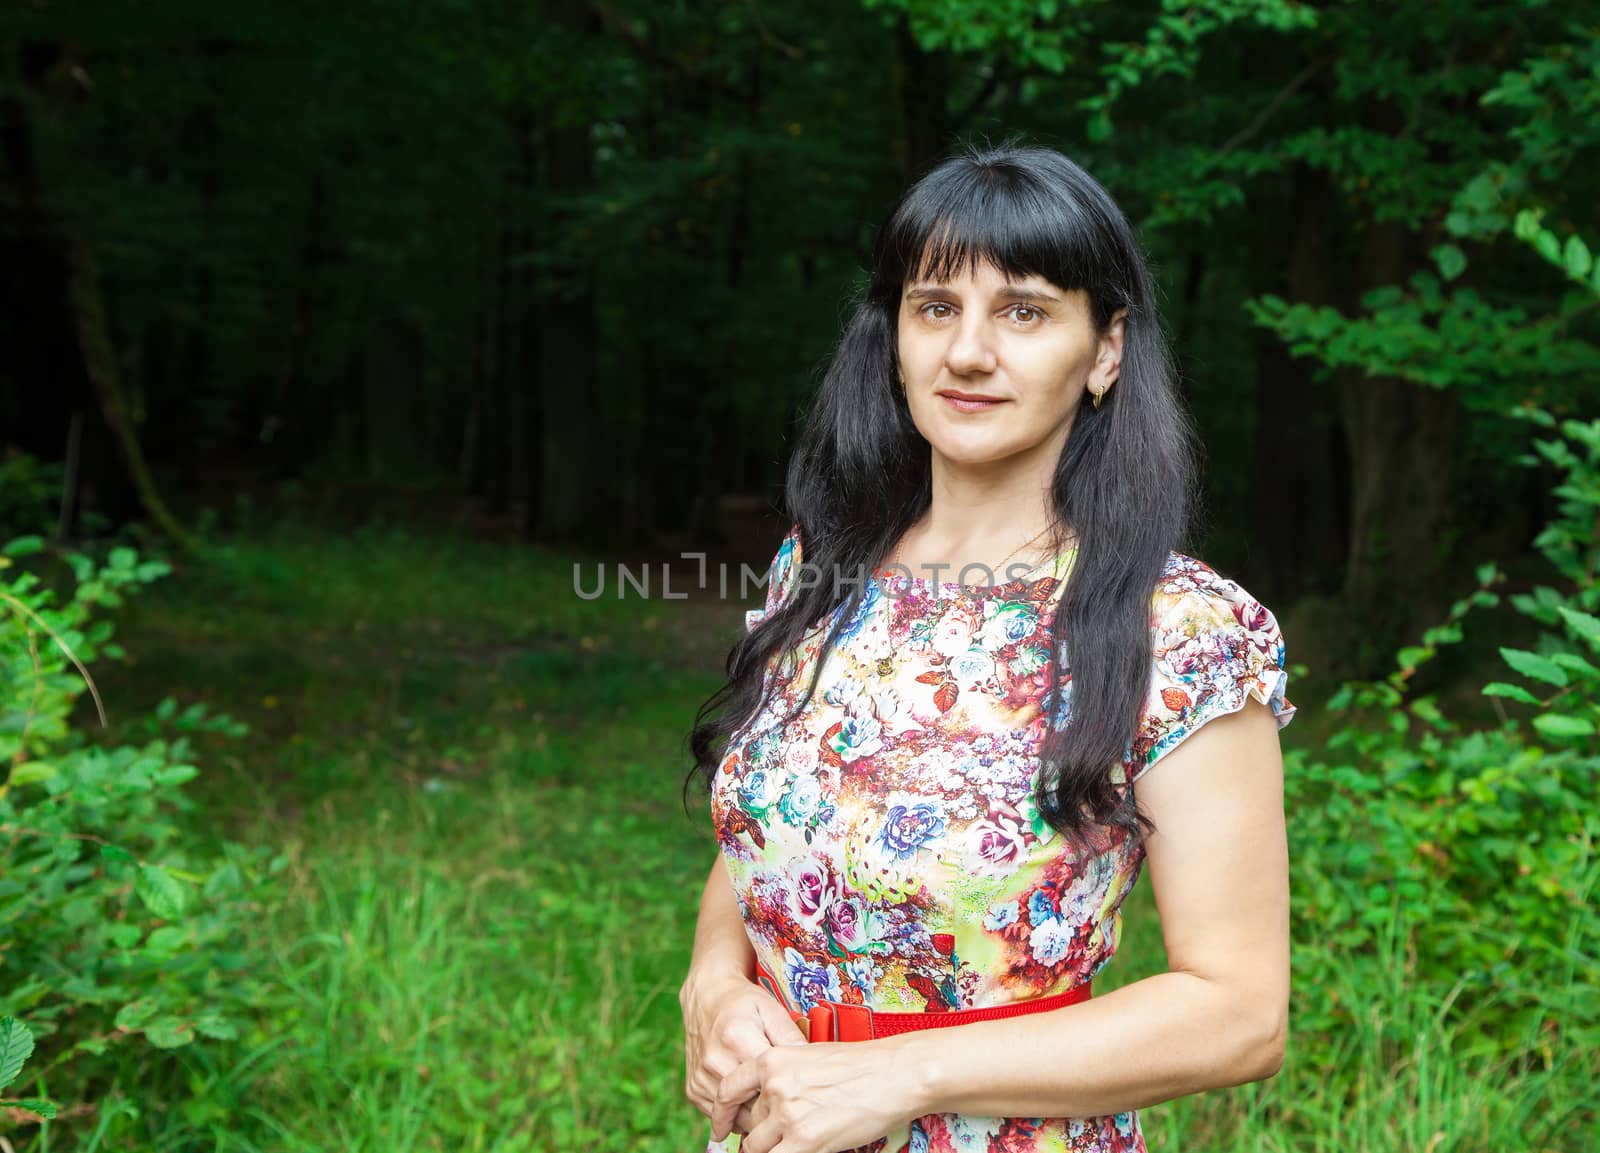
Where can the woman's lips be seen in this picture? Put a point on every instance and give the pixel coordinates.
(962, 404)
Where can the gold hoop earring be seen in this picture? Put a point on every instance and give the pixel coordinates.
(1097, 397)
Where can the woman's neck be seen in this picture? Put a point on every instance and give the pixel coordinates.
(988, 515)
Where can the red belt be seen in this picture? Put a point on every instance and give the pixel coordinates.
(835, 1021)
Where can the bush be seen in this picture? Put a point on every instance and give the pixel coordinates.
(1475, 851)
(30, 493)
(122, 938)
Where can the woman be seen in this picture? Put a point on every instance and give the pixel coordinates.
(931, 789)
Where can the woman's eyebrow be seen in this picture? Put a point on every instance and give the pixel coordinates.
(1007, 291)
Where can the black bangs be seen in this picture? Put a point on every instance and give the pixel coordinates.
(987, 210)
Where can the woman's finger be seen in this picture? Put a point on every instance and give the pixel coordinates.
(762, 1137)
(750, 1114)
(746, 1032)
(778, 1028)
(740, 1085)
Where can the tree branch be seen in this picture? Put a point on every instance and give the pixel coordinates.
(1001, 73)
(792, 51)
(618, 24)
(1277, 102)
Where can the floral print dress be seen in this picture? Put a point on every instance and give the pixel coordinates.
(884, 847)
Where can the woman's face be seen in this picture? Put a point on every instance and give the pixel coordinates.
(1026, 350)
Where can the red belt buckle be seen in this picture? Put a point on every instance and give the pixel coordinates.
(826, 1020)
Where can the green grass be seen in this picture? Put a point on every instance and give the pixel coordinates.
(490, 885)
(477, 972)
(476, 777)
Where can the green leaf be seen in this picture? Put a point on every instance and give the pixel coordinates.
(176, 774)
(1586, 626)
(1426, 709)
(134, 1014)
(1561, 725)
(1575, 664)
(1050, 58)
(1535, 666)
(16, 1042)
(117, 859)
(23, 546)
(1413, 655)
(217, 1028)
(1451, 260)
(38, 1105)
(1515, 692)
(168, 939)
(1548, 246)
(32, 772)
(123, 935)
(169, 1033)
(161, 892)
(1577, 257)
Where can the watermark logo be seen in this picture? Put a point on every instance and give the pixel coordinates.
(894, 581)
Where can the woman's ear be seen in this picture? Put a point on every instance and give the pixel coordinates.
(1108, 358)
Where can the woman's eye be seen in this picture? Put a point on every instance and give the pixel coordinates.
(1033, 314)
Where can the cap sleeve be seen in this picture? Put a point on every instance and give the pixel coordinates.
(780, 578)
(1215, 646)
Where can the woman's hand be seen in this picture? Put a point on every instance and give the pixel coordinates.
(728, 1020)
(817, 1098)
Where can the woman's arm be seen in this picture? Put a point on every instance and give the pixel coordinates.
(727, 1017)
(721, 945)
(1219, 1015)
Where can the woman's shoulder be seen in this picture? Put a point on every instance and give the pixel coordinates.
(1198, 607)
(1191, 589)
(1214, 645)
(779, 580)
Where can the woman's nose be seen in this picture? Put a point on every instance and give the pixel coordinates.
(972, 348)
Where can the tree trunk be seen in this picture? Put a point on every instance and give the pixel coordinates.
(1401, 440)
(44, 392)
(100, 365)
(1300, 494)
(569, 459)
(922, 87)
(522, 443)
(290, 418)
(86, 326)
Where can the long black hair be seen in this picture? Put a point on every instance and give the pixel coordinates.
(1124, 483)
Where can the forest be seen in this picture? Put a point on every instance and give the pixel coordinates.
(333, 336)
